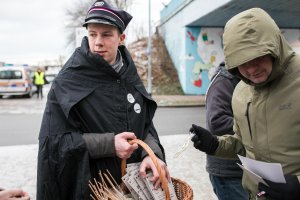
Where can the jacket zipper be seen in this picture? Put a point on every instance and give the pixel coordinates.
(248, 118)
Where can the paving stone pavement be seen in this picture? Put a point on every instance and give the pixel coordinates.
(19, 163)
(189, 166)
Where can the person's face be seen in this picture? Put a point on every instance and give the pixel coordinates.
(257, 70)
(104, 40)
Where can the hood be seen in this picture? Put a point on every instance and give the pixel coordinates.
(251, 34)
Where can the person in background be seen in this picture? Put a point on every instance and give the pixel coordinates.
(13, 194)
(265, 103)
(225, 175)
(96, 104)
(39, 80)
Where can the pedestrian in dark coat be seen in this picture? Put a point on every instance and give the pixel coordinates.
(225, 175)
(95, 105)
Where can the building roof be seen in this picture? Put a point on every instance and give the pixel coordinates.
(286, 13)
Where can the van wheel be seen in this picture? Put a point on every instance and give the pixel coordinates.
(29, 95)
(1, 96)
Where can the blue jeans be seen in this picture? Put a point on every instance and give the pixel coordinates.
(227, 188)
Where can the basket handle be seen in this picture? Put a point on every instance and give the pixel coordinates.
(153, 157)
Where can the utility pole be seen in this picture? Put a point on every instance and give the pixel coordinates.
(149, 52)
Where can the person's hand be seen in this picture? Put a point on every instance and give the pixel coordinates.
(147, 163)
(204, 140)
(282, 191)
(123, 148)
(13, 194)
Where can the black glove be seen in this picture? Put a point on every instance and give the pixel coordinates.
(204, 140)
(282, 191)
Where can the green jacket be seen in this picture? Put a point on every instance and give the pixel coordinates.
(266, 116)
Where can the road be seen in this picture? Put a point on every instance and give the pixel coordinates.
(20, 120)
(174, 121)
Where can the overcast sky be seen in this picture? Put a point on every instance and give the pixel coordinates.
(32, 31)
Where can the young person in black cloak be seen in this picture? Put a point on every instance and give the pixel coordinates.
(95, 105)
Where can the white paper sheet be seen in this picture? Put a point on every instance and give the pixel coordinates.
(269, 171)
(254, 177)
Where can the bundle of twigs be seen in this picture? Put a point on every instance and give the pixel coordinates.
(103, 191)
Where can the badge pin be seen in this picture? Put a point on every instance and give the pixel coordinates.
(137, 108)
(101, 3)
(130, 98)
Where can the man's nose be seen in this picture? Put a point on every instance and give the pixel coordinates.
(99, 40)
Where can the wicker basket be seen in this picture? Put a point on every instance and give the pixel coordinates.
(182, 189)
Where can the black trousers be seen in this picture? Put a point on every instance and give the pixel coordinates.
(39, 90)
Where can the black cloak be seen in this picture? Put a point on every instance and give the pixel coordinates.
(88, 96)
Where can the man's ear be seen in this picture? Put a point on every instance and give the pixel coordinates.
(122, 39)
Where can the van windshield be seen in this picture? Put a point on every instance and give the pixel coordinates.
(11, 74)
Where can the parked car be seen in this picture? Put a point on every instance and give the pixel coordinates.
(16, 81)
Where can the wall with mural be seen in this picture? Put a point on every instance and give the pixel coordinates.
(173, 29)
(203, 54)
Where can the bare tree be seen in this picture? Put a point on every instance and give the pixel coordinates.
(122, 4)
(140, 31)
(77, 13)
(60, 61)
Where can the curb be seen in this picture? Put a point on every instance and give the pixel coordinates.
(179, 101)
(170, 104)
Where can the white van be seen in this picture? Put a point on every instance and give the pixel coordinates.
(16, 81)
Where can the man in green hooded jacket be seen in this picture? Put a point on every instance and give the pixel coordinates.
(265, 103)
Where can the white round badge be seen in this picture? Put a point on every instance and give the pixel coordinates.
(137, 108)
(101, 3)
(130, 98)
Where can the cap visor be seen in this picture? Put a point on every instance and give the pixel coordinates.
(98, 21)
